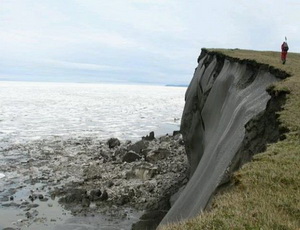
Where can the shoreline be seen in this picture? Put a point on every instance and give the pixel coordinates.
(73, 177)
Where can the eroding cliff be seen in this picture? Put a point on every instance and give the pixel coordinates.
(229, 115)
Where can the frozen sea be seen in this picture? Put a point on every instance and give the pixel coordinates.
(33, 114)
(30, 110)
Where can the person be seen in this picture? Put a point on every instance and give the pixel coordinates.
(284, 50)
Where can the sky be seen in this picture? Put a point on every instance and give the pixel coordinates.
(134, 41)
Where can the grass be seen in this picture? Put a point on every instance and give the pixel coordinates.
(266, 191)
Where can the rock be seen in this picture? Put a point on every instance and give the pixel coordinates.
(35, 213)
(104, 196)
(28, 215)
(113, 142)
(156, 155)
(104, 156)
(120, 151)
(144, 152)
(95, 194)
(138, 146)
(25, 203)
(12, 204)
(131, 156)
(80, 168)
(44, 199)
(33, 205)
(176, 132)
(149, 137)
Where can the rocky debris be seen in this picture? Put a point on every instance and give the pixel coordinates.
(142, 175)
(89, 175)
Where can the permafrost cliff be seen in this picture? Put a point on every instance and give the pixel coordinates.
(229, 115)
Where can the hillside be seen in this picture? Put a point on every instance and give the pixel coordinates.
(265, 193)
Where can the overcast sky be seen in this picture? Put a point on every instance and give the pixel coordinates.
(134, 41)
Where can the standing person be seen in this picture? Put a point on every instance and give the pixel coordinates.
(284, 50)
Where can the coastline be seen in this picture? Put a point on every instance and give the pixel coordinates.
(85, 179)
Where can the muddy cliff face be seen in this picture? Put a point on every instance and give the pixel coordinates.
(229, 115)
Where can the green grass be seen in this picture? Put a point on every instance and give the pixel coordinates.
(266, 191)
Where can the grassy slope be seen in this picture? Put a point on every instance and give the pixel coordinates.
(266, 194)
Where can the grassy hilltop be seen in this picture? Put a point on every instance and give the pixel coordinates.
(266, 191)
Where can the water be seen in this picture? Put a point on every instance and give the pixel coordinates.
(36, 116)
(37, 110)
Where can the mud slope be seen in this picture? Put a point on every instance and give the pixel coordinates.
(229, 115)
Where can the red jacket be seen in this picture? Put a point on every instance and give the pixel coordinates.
(284, 47)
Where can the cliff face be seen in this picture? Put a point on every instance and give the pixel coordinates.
(228, 117)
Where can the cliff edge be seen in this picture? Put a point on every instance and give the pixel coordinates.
(229, 115)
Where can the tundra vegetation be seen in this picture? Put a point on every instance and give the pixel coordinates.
(264, 193)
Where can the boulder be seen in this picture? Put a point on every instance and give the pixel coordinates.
(95, 194)
(156, 155)
(104, 196)
(149, 137)
(131, 156)
(113, 142)
(120, 151)
(138, 146)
